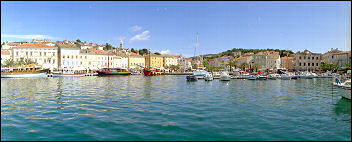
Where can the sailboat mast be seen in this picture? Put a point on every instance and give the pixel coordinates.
(149, 61)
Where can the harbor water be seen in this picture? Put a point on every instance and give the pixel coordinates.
(170, 108)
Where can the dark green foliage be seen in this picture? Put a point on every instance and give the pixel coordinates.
(243, 51)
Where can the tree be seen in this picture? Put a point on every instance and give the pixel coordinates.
(9, 63)
(256, 67)
(78, 41)
(28, 61)
(107, 47)
(232, 63)
(143, 51)
(244, 66)
(134, 51)
(157, 53)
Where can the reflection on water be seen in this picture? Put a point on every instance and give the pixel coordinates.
(170, 108)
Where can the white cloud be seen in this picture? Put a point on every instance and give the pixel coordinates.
(136, 28)
(165, 51)
(28, 36)
(143, 36)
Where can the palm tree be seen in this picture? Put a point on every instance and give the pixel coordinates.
(243, 66)
(256, 67)
(9, 63)
(28, 61)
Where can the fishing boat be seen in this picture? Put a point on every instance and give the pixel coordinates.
(208, 77)
(29, 71)
(191, 78)
(113, 71)
(225, 76)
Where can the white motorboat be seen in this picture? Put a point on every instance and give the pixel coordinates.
(208, 77)
(252, 77)
(68, 73)
(306, 75)
(216, 75)
(286, 77)
(200, 74)
(225, 76)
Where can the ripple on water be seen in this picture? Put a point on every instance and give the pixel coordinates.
(170, 108)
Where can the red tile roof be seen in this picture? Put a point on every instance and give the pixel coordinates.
(34, 45)
(5, 52)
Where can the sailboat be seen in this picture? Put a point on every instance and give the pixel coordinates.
(149, 71)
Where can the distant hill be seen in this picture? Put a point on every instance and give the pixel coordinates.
(243, 51)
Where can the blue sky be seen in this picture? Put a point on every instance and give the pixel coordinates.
(171, 27)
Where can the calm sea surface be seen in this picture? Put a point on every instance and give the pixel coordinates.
(169, 108)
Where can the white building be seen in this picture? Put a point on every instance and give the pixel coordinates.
(5, 55)
(42, 54)
(267, 60)
(68, 54)
(170, 60)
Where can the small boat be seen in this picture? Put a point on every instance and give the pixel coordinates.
(208, 77)
(200, 74)
(113, 71)
(191, 78)
(306, 75)
(285, 77)
(252, 77)
(225, 76)
(262, 77)
(26, 72)
(272, 76)
(68, 73)
(216, 75)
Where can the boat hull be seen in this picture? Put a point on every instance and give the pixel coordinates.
(151, 73)
(113, 73)
(227, 78)
(24, 75)
(191, 78)
(68, 75)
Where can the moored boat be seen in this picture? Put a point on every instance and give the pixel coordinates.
(252, 77)
(191, 78)
(208, 77)
(26, 72)
(113, 71)
(225, 76)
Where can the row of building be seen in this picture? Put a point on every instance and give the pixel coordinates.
(300, 61)
(67, 54)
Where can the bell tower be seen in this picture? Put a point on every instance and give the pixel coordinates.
(121, 43)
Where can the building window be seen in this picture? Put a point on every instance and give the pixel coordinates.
(49, 61)
(44, 53)
(312, 58)
(317, 64)
(31, 53)
(332, 57)
(26, 53)
(72, 56)
(76, 56)
(53, 61)
(44, 60)
(304, 57)
(312, 64)
(53, 53)
(308, 64)
(68, 57)
(17, 53)
(317, 58)
(304, 64)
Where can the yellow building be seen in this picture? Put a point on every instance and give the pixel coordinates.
(156, 61)
(136, 61)
(170, 60)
